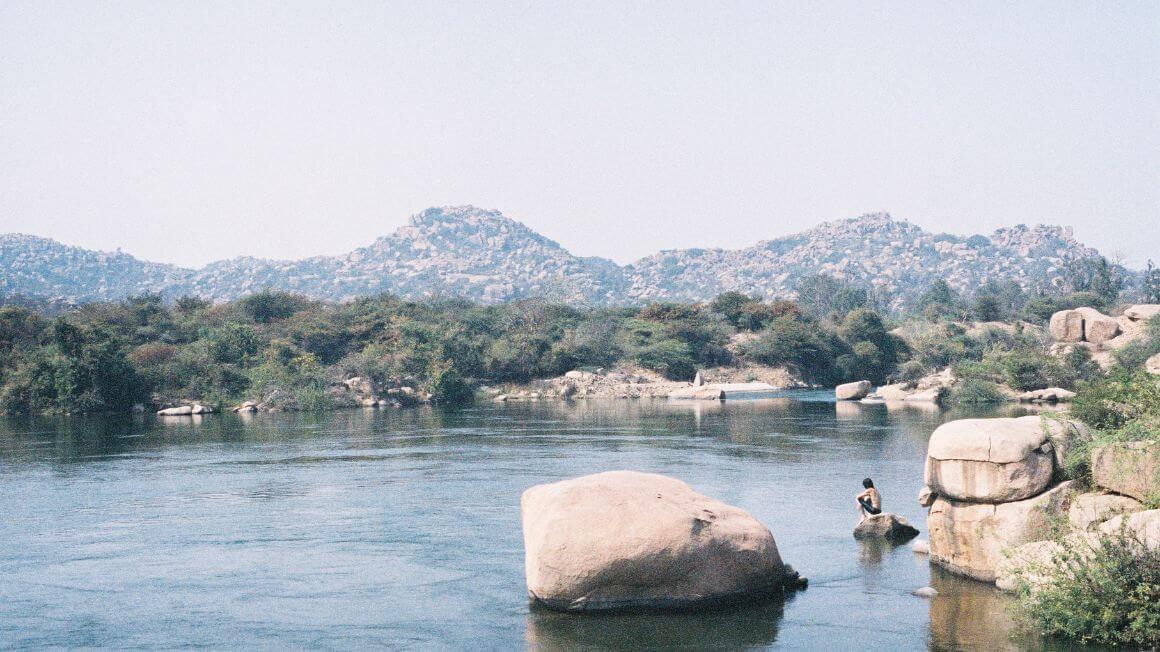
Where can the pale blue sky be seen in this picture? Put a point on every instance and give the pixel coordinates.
(188, 132)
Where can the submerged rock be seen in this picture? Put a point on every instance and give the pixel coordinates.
(920, 547)
(624, 539)
(179, 411)
(891, 527)
(924, 592)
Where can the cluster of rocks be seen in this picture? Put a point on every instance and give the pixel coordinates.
(928, 389)
(366, 394)
(629, 540)
(998, 493)
(1100, 334)
(709, 384)
(484, 256)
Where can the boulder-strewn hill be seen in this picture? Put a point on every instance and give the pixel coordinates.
(482, 255)
(873, 250)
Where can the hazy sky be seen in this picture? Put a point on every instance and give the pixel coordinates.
(188, 132)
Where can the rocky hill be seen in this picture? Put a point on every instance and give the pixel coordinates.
(484, 256)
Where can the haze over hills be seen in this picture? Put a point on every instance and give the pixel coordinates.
(482, 255)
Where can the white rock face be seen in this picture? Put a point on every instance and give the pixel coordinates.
(970, 538)
(852, 391)
(624, 539)
(990, 460)
(179, 411)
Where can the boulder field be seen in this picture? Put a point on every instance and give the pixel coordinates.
(630, 540)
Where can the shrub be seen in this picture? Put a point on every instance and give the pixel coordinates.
(975, 391)
(1106, 594)
(1112, 402)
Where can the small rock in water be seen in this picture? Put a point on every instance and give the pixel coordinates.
(925, 592)
(922, 547)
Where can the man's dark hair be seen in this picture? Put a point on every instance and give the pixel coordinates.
(868, 483)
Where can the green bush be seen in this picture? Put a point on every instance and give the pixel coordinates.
(1107, 595)
(1113, 402)
(975, 391)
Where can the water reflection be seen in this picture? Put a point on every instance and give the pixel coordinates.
(734, 628)
(277, 530)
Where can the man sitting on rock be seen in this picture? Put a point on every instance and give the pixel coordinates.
(869, 501)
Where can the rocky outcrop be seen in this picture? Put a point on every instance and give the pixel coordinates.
(1142, 312)
(1131, 469)
(624, 539)
(993, 485)
(485, 256)
(1083, 325)
(990, 460)
(971, 538)
(1090, 510)
(890, 527)
(852, 391)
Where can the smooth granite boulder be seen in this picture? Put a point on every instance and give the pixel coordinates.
(852, 391)
(990, 460)
(971, 538)
(623, 539)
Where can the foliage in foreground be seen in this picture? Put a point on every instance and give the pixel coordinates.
(1108, 594)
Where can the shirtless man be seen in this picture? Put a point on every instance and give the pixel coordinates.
(869, 501)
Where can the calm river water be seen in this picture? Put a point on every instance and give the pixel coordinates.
(401, 528)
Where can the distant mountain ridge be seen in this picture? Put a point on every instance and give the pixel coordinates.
(484, 256)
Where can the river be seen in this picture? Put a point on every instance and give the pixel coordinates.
(401, 528)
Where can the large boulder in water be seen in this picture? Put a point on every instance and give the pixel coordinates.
(624, 539)
(891, 527)
(972, 539)
(852, 391)
(990, 460)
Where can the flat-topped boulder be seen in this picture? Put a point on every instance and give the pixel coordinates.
(990, 460)
(1142, 312)
(623, 540)
(891, 527)
(852, 391)
(972, 539)
(1131, 469)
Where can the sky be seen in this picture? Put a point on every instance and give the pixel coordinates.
(187, 132)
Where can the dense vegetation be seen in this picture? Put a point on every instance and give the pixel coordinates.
(147, 351)
(111, 356)
(1107, 592)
